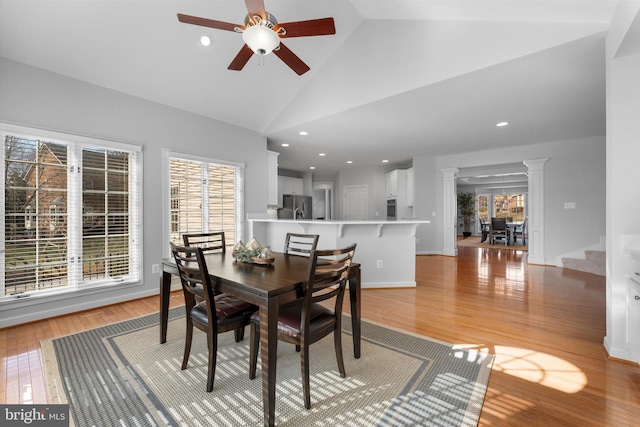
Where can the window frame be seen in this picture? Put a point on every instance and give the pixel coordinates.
(167, 197)
(75, 145)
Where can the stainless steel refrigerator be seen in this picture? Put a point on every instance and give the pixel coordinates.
(295, 207)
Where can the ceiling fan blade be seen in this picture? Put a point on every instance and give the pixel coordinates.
(313, 27)
(210, 23)
(241, 59)
(255, 7)
(291, 59)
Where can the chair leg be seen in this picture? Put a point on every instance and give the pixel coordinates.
(337, 341)
(187, 343)
(212, 341)
(238, 334)
(254, 343)
(304, 368)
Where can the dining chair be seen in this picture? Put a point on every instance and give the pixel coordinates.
(213, 315)
(520, 230)
(209, 242)
(499, 230)
(304, 321)
(300, 244)
(484, 229)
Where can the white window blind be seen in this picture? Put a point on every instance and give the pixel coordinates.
(71, 212)
(205, 197)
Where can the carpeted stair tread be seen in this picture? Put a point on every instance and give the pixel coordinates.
(594, 263)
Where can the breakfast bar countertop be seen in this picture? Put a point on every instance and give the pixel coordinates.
(385, 249)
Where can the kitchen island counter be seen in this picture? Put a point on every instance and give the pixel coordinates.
(386, 249)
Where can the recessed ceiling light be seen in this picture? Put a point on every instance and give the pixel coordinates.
(322, 154)
(349, 161)
(205, 40)
(312, 167)
(285, 145)
(303, 133)
(385, 161)
(502, 124)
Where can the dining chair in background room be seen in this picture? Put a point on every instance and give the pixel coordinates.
(484, 229)
(499, 230)
(209, 242)
(520, 230)
(304, 321)
(214, 314)
(300, 244)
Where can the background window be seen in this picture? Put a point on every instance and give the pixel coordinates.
(205, 197)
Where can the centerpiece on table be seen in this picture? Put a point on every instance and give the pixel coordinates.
(253, 252)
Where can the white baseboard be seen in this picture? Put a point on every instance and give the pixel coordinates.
(379, 285)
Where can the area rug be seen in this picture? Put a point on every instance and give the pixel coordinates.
(474, 242)
(121, 375)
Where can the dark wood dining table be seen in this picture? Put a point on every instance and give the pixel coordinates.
(268, 287)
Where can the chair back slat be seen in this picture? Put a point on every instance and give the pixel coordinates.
(208, 242)
(194, 275)
(327, 275)
(300, 244)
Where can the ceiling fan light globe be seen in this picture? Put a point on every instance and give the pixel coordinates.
(260, 39)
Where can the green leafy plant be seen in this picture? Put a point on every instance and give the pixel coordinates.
(467, 209)
(245, 254)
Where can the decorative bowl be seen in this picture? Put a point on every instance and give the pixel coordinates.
(262, 261)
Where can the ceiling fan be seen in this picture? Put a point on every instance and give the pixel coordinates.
(261, 33)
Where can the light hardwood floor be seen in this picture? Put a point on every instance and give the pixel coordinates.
(544, 324)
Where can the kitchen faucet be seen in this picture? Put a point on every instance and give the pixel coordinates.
(297, 211)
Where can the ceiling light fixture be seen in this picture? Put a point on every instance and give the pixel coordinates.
(322, 154)
(349, 161)
(385, 161)
(312, 167)
(303, 133)
(205, 40)
(285, 145)
(501, 124)
(259, 34)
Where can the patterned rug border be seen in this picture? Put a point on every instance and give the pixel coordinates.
(56, 393)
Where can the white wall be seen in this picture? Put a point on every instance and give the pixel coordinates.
(623, 166)
(376, 181)
(37, 98)
(575, 173)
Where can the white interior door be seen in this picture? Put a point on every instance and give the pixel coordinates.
(355, 203)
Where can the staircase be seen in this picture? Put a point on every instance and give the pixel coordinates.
(593, 262)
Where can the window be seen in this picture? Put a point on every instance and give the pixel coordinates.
(510, 206)
(71, 214)
(483, 208)
(205, 197)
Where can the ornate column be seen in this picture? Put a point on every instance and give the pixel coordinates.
(450, 214)
(535, 223)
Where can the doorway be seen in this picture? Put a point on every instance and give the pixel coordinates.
(323, 201)
(355, 203)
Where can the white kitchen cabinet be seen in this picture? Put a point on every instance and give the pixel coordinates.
(291, 185)
(392, 184)
(280, 191)
(411, 194)
(272, 178)
(633, 286)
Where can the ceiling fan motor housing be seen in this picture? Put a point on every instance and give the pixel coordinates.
(259, 34)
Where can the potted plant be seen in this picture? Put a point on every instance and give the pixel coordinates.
(467, 209)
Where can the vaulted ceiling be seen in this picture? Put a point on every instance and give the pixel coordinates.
(400, 78)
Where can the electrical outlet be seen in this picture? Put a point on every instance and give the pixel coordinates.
(379, 263)
(569, 205)
(433, 213)
(155, 268)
